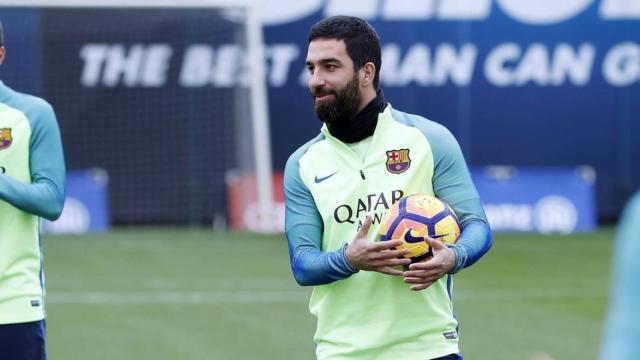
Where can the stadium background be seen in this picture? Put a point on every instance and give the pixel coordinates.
(169, 144)
(567, 96)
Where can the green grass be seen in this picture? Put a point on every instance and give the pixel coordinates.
(193, 294)
(533, 295)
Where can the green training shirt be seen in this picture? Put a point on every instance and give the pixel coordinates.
(32, 176)
(329, 189)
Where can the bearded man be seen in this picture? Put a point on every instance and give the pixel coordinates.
(338, 187)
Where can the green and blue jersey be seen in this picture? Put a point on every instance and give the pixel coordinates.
(32, 178)
(330, 187)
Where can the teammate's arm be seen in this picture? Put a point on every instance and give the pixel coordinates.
(44, 196)
(621, 332)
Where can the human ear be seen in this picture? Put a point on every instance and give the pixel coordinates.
(367, 74)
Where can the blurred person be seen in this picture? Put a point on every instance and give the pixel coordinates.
(339, 185)
(32, 179)
(621, 339)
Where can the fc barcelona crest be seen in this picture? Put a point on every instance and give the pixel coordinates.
(5, 138)
(398, 161)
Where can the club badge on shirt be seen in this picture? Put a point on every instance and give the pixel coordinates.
(398, 161)
(5, 138)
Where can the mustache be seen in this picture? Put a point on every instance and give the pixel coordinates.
(321, 91)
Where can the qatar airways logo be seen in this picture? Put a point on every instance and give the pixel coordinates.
(376, 204)
(534, 12)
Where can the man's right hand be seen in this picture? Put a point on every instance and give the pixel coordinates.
(380, 256)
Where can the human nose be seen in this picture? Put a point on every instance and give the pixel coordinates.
(316, 79)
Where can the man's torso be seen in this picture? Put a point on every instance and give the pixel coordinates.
(21, 290)
(370, 310)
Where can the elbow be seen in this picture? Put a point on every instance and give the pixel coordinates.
(306, 275)
(52, 215)
(302, 281)
(482, 230)
(302, 278)
(302, 269)
(52, 203)
(489, 242)
(55, 210)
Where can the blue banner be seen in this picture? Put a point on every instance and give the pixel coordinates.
(524, 83)
(86, 206)
(546, 200)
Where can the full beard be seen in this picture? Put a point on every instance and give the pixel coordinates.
(344, 106)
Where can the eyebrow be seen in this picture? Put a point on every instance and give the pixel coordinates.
(325, 61)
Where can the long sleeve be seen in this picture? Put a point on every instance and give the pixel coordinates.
(304, 227)
(452, 183)
(44, 196)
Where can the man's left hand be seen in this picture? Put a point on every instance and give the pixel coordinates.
(425, 273)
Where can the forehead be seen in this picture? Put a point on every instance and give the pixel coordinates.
(326, 49)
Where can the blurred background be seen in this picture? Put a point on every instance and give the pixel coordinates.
(178, 117)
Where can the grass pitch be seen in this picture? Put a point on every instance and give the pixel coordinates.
(194, 294)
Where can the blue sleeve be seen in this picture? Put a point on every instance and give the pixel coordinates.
(44, 196)
(303, 227)
(452, 183)
(621, 331)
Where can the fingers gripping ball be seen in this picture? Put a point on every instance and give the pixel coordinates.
(415, 217)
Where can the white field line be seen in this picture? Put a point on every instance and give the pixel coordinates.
(278, 296)
(176, 297)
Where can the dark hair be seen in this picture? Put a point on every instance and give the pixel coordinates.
(360, 38)
(1, 35)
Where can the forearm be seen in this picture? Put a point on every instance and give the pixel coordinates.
(43, 197)
(475, 240)
(43, 194)
(304, 230)
(314, 267)
(311, 265)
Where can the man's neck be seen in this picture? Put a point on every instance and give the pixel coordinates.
(367, 97)
(363, 124)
